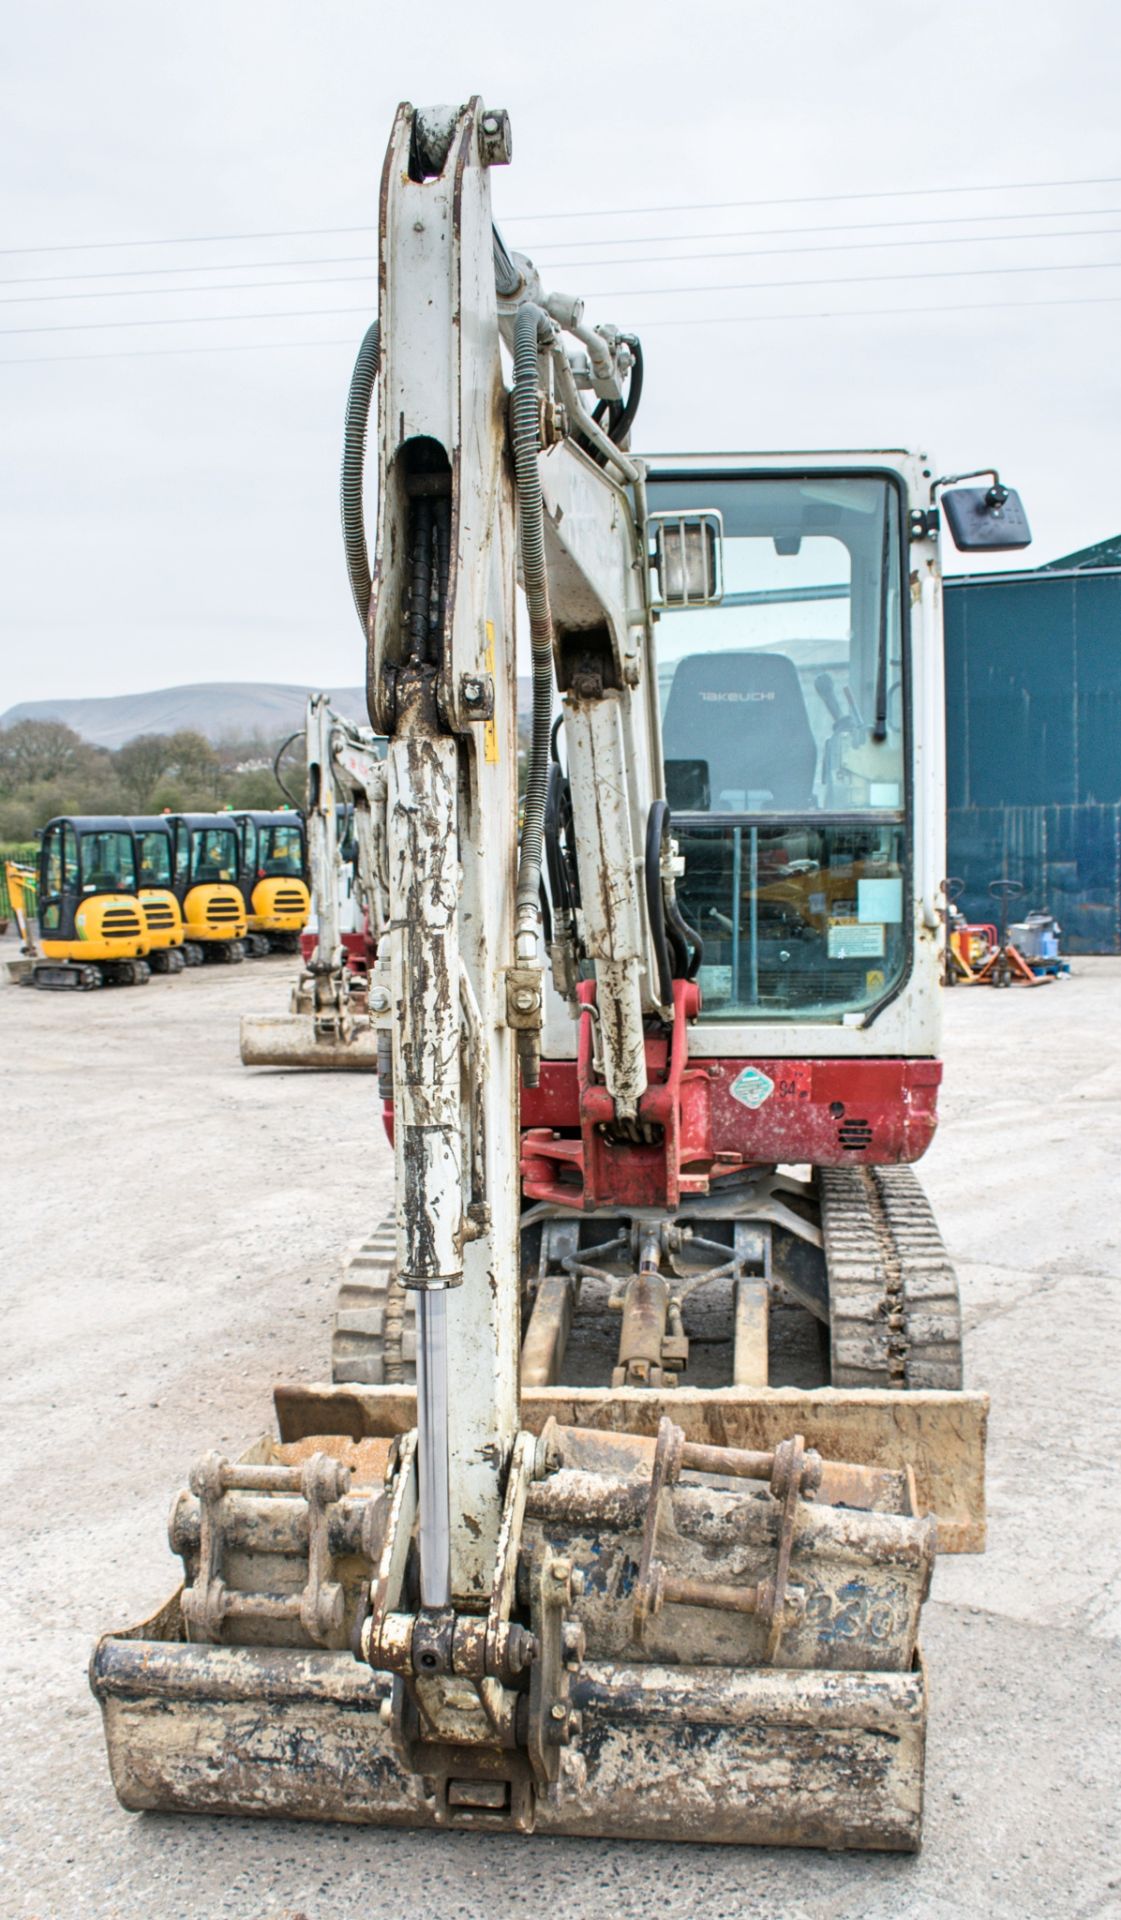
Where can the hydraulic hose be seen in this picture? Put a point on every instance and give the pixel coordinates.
(358, 401)
(657, 826)
(530, 323)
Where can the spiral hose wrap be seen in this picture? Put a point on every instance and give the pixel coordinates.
(358, 402)
(525, 418)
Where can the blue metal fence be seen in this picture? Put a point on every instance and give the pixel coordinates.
(1033, 746)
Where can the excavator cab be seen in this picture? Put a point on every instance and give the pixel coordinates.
(91, 926)
(205, 858)
(273, 878)
(786, 712)
(170, 951)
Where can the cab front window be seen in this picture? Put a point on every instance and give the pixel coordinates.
(213, 854)
(783, 714)
(282, 851)
(155, 860)
(108, 863)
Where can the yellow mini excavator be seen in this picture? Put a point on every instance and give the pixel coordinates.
(620, 1513)
(273, 878)
(205, 855)
(92, 931)
(169, 952)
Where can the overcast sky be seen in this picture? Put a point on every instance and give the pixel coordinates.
(169, 515)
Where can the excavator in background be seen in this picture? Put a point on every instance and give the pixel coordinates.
(92, 931)
(204, 870)
(627, 1526)
(272, 877)
(169, 949)
(328, 1024)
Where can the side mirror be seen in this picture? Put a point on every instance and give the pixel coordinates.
(986, 519)
(688, 558)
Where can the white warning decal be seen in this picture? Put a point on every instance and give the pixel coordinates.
(751, 1087)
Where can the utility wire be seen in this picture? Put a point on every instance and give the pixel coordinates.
(743, 233)
(194, 320)
(836, 226)
(640, 260)
(859, 313)
(585, 213)
(222, 286)
(679, 320)
(610, 293)
(845, 246)
(847, 280)
(815, 199)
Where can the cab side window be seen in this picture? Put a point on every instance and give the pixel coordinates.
(69, 856)
(50, 912)
(182, 853)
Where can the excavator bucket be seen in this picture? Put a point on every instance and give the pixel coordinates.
(292, 1040)
(683, 1641)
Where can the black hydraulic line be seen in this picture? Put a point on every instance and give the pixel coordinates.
(420, 580)
(621, 425)
(507, 279)
(355, 429)
(525, 419)
(657, 826)
(277, 758)
(684, 931)
(443, 511)
(546, 913)
(560, 884)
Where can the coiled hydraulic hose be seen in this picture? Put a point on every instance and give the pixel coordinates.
(358, 402)
(529, 325)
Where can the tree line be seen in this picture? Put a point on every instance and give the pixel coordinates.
(47, 769)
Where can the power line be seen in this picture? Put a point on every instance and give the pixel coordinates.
(223, 266)
(845, 246)
(847, 280)
(816, 199)
(194, 320)
(742, 233)
(593, 213)
(860, 313)
(608, 293)
(185, 293)
(836, 226)
(649, 259)
(680, 320)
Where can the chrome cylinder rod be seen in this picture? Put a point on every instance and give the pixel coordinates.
(432, 1447)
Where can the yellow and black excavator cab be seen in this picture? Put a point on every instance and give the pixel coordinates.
(273, 877)
(204, 881)
(162, 914)
(91, 926)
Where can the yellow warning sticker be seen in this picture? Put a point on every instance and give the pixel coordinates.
(874, 981)
(490, 731)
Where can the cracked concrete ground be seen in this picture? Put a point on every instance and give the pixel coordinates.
(172, 1227)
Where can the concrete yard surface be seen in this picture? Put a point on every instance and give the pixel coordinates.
(173, 1226)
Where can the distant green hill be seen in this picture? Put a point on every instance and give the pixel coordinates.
(220, 709)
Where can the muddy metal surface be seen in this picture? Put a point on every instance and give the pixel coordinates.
(172, 1226)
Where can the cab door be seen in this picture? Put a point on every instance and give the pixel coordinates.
(58, 881)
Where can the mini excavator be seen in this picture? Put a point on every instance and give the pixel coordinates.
(620, 1511)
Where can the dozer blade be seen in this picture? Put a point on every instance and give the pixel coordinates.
(291, 1040)
(683, 1641)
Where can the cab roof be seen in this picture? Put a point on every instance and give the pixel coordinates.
(92, 822)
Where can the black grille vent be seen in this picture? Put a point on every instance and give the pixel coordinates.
(855, 1134)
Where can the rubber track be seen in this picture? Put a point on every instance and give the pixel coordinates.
(895, 1317)
(374, 1338)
